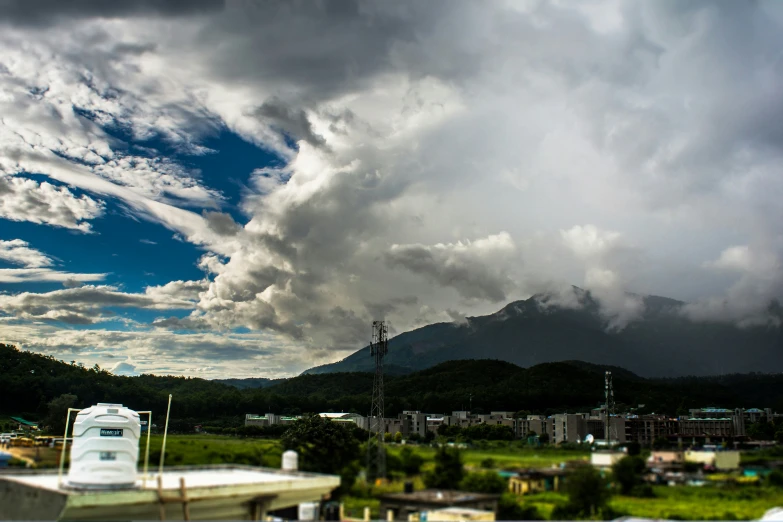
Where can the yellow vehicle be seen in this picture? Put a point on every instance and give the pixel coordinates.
(25, 442)
(44, 441)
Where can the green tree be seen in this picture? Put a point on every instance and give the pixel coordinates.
(627, 472)
(543, 438)
(324, 447)
(509, 508)
(488, 463)
(398, 437)
(588, 495)
(484, 482)
(410, 461)
(58, 411)
(775, 479)
(634, 448)
(448, 470)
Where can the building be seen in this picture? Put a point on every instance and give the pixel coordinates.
(458, 514)
(353, 418)
(605, 459)
(565, 427)
(402, 505)
(530, 481)
(723, 460)
(713, 423)
(533, 423)
(666, 460)
(417, 422)
(645, 429)
(223, 492)
(269, 419)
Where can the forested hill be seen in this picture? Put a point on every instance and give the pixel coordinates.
(662, 342)
(30, 381)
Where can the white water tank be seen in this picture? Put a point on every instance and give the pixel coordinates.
(290, 461)
(105, 448)
(308, 511)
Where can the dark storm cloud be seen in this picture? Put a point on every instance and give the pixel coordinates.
(292, 122)
(38, 12)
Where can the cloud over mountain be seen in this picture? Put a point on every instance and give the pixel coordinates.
(422, 158)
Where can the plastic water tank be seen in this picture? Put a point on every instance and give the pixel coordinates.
(308, 511)
(290, 461)
(105, 448)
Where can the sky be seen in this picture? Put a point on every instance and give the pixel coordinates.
(238, 189)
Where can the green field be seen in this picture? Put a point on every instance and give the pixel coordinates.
(192, 450)
(511, 457)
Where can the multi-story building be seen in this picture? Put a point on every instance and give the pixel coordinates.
(417, 422)
(717, 423)
(645, 429)
(268, 419)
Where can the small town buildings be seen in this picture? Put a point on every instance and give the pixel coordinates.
(342, 417)
(403, 505)
(603, 459)
(530, 481)
(457, 514)
(666, 460)
(722, 460)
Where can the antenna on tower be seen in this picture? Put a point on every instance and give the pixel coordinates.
(376, 454)
(609, 410)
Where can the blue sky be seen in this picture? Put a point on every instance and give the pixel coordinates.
(241, 189)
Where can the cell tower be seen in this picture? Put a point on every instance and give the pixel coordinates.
(609, 411)
(376, 453)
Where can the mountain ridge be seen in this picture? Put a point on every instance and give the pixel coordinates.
(662, 342)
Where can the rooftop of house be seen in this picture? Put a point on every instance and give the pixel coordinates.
(445, 497)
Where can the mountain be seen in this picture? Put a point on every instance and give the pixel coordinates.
(661, 343)
(251, 382)
(482, 385)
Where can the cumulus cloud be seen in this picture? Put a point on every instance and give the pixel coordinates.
(474, 268)
(24, 199)
(605, 256)
(754, 296)
(90, 302)
(18, 252)
(36, 266)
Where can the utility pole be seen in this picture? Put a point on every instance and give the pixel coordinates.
(376, 456)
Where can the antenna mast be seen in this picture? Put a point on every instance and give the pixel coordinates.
(609, 392)
(376, 456)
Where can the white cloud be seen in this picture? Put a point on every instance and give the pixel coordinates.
(19, 252)
(27, 200)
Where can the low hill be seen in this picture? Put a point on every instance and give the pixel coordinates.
(661, 343)
(29, 381)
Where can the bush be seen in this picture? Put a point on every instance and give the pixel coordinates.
(775, 479)
(448, 472)
(510, 509)
(485, 482)
(588, 495)
(627, 472)
(488, 463)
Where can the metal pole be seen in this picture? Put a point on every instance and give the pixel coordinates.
(65, 442)
(147, 450)
(165, 432)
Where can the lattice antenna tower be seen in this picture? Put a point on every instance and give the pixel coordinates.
(376, 454)
(609, 393)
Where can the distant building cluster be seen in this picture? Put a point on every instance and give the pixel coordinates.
(700, 426)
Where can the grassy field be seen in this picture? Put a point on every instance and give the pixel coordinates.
(189, 450)
(504, 458)
(186, 450)
(682, 503)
